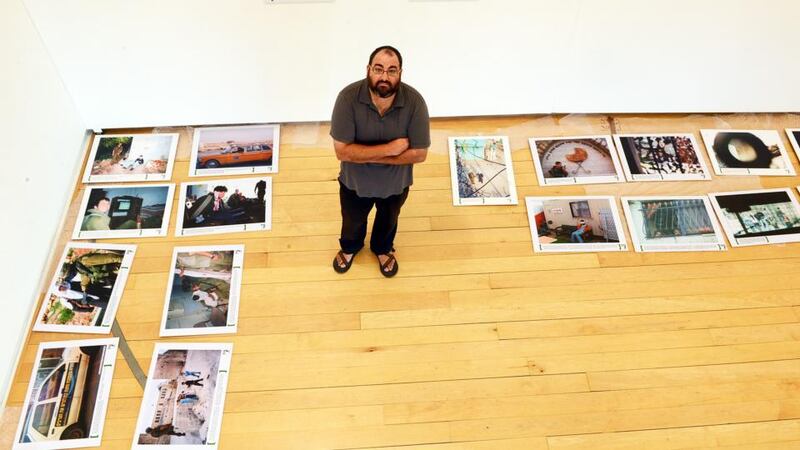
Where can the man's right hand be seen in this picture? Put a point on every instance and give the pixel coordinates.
(397, 146)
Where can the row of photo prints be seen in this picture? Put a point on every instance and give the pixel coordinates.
(184, 396)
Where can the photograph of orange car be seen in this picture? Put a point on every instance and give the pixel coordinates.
(235, 150)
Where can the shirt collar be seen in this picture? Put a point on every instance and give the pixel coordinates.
(399, 98)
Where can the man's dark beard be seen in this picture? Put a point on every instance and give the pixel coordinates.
(383, 91)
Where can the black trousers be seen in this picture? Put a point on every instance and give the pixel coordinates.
(355, 210)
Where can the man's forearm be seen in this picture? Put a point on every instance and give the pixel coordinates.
(359, 153)
(410, 156)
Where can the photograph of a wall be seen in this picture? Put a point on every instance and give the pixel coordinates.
(661, 157)
(575, 160)
(203, 291)
(672, 224)
(761, 217)
(235, 150)
(575, 224)
(747, 152)
(131, 157)
(86, 289)
(225, 206)
(184, 397)
(124, 211)
(67, 397)
(481, 172)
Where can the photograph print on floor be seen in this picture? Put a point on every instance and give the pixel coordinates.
(672, 224)
(661, 157)
(184, 397)
(131, 157)
(235, 150)
(481, 172)
(794, 138)
(124, 211)
(203, 291)
(67, 397)
(86, 289)
(575, 160)
(575, 224)
(747, 152)
(768, 216)
(225, 206)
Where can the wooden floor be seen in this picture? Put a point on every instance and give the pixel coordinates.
(479, 343)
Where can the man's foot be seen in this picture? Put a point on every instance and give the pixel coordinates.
(342, 261)
(388, 264)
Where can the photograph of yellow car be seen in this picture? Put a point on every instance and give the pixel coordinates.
(235, 150)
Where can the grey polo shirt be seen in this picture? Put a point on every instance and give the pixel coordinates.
(356, 120)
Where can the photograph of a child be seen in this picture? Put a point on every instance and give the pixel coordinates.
(575, 160)
(652, 157)
(86, 289)
(575, 224)
(203, 290)
(481, 172)
(124, 211)
(225, 206)
(184, 383)
(133, 157)
(747, 152)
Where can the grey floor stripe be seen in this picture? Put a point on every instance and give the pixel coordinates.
(128, 355)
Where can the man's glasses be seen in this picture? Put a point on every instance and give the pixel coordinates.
(392, 72)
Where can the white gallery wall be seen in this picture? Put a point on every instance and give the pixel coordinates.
(155, 62)
(42, 140)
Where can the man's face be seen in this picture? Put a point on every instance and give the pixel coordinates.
(384, 85)
(103, 205)
(219, 195)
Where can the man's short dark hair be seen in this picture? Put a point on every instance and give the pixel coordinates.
(387, 48)
(220, 189)
(100, 200)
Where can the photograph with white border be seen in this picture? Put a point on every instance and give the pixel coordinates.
(203, 290)
(225, 206)
(481, 172)
(184, 397)
(67, 397)
(794, 138)
(588, 223)
(86, 289)
(235, 150)
(759, 217)
(131, 157)
(661, 157)
(747, 152)
(124, 211)
(575, 160)
(672, 224)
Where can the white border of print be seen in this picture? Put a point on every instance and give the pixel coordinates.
(719, 245)
(512, 187)
(112, 234)
(101, 403)
(217, 408)
(618, 178)
(704, 175)
(757, 240)
(89, 178)
(708, 139)
(113, 301)
(262, 226)
(195, 172)
(795, 145)
(233, 300)
(620, 246)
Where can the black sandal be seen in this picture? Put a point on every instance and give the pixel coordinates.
(389, 259)
(347, 264)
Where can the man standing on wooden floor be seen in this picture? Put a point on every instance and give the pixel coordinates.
(380, 129)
